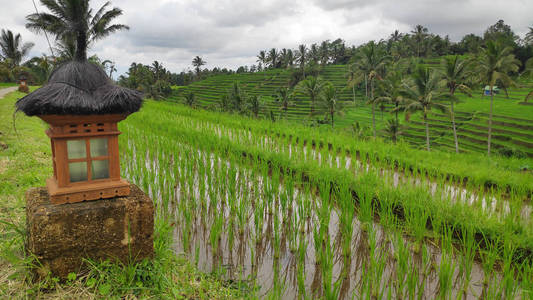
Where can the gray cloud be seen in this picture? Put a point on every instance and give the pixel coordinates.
(229, 33)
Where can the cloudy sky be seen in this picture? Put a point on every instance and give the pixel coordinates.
(231, 33)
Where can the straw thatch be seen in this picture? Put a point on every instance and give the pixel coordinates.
(80, 88)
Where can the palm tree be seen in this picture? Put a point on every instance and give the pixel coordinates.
(190, 99)
(109, 65)
(393, 129)
(529, 36)
(302, 56)
(261, 58)
(197, 62)
(289, 58)
(324, 52)
(12, 48)
(353, 78)
(396, 36)
(330, 101)
(371, 61)
(237, 98)
(312, 86)
(273, 56)
(419, 34)
(423, 93)
(390, 90)
(283, 57)
(254, 105)
(494, 63)
(314, 53)
(529, 71)
(74, 20)
(284, 99)
(455, 77)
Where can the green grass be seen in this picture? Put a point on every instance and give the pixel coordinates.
(26, 163)
(7, 84)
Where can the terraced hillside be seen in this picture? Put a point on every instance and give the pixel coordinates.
(512, 122)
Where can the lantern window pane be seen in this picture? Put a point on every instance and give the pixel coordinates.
(100, 169)
(77, 171)
(76, 149)
(99, 147)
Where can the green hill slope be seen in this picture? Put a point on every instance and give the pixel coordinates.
(512, 122)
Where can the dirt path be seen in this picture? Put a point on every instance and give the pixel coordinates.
(6, 91)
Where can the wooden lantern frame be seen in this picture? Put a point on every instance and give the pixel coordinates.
(65, 128)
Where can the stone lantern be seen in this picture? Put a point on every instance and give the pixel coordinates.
(82, 107)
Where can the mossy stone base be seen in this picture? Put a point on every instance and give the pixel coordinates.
(61, 236)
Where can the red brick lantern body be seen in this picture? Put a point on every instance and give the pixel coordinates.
(85, 158)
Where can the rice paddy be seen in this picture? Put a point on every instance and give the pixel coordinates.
(284, 211)
(512, 121)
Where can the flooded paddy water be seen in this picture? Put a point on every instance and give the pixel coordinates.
(263, 231)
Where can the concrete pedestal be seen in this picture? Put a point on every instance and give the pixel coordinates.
(61, 236)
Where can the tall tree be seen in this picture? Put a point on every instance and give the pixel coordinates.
(529, 36)
(273, 57)
(302, 56)
(455, 76)
(393, 129)
(419, 35)
(353, 78)
(284, 98)
(529, 72)
(74, 20)
(324, 52)
(312, 87)
(423, 95)
(371, 61)
(314, 53)
(390, 89)
(254, 105)
(262, 58)
(197, 62)
(501, 33)
(12, 48)
(330, 102)
(494, 64)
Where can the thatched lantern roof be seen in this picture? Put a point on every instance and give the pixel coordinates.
(79, 87)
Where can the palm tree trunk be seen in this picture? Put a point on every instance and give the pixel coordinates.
(332, 113)
(396, 112)
(454, 129)
(373, 109)
(353, 93)
(490, 122)
(366, 88)
(81, 45)
(427, 132)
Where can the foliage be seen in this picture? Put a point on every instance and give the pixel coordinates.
(12, 49)
(152, 80)
(423, 94)
(75, 24)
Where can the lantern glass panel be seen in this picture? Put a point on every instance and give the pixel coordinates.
(99, 147)
(77, 171)
(76, 149)
(100, 169)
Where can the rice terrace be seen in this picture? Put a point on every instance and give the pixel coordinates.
(294, 165)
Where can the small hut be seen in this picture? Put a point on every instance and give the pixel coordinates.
(83, 106)
(486, 90)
